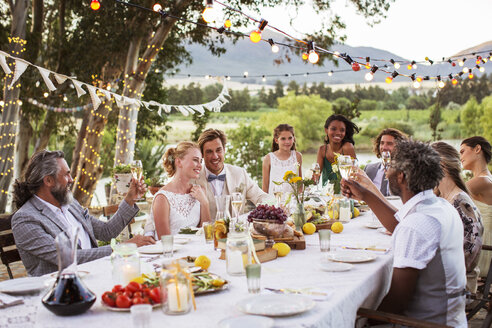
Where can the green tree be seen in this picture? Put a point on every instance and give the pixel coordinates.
(416, 102)
(487, 117)
(471, 117)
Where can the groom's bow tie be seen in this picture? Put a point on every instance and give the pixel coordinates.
(212, 177)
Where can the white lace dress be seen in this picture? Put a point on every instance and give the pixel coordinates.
(278, 168)
(184, 212)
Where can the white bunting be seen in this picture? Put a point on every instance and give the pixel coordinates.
(60, 78)
(119, 101)
(3, 63)
(106, 93)
(45, 74)
(182, 110)
(78, 87)
(20, 68)
(93, 93)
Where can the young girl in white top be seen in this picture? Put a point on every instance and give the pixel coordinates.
(283, 158)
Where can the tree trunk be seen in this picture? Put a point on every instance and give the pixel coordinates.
(22, 146)
(74, 168)
(49, 125)
(10, 111)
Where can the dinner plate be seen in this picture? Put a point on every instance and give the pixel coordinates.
(214, 289)
(350, 257)
(181, 240)
(155, 249)
(277, 305)
(373, 225)
(116, 309)
(246, 321)
(20, 286)
(335, 266)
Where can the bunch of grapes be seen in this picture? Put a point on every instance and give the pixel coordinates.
(265, 212)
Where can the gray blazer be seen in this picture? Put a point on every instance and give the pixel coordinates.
(35, 227)
(371, 171)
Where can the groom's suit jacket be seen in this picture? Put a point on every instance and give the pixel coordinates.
(35, 227)
(371, 171)
(237, 180)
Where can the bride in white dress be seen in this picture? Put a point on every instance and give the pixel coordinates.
(179, 204)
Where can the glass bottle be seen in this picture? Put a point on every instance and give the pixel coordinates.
(125, 262)
(69, 295)
(176, 294)
(238, 251)
(222, 216)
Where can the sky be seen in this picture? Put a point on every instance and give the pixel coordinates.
(413, 29)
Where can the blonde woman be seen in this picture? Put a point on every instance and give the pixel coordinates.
(179, 204)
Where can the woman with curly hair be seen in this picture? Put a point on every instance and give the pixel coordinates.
(339, 140)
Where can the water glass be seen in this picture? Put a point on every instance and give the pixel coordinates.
(253, 276)
(167, 245)
(208, 232)
(345, 211)
(141, 315)
(324, 240)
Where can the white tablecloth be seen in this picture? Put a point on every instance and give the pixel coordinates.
(364, 285)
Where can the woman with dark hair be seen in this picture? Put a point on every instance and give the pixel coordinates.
(453, 189)
(283, 158)
(339, 140)
(475, 154)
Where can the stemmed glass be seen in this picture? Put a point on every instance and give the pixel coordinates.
(237, 203)
(278, 193)
(385, 159)
(316, 174)
(137, 169)
(345, 166)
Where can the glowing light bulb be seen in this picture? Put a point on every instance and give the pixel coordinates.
(477, 62)
(263, 79)
(441, 84)
(336, 54)
(305, 56)
(45, 94)
(470, 76)
(1, 103)
(416, 84)
(414, 66)
(369, 76)
(409, 66)
(368, 66)
(454, 81)
(355, 66)
(389, 79)
(419, 79)
(227, 23)
(461, 63)
(65, 98)
(207, 77)
(255, 36)
(209, 13)
(228, 78)
(20, 102)
(465, 69)
(157, 7)
(330, 73)
(313, 57)
(95, 5)
(482, 69)
(397, 66)
(275, 48)
(245, 74)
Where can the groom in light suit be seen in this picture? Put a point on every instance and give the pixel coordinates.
(46, 208)
(385, 141)
(223, 179)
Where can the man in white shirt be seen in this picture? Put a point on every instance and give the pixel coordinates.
(385, 141)
(218, 178)
(429, 274)
(46, 208)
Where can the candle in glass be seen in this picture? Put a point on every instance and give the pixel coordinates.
(177, 297)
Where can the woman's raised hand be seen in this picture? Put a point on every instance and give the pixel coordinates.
(199, 194)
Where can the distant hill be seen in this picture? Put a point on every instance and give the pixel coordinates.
(258, 59)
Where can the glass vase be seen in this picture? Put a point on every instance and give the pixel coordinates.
(299, 216)
(176, 294)
(125, 262)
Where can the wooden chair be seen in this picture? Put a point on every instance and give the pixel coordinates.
(397, 319)
(109, 210)
(8, 251)
(483, 299)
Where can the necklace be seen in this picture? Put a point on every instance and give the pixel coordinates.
(484, 170)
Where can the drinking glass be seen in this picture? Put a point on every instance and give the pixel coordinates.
(345, 166)
(167, 245)
(278, 193)
(137, 169)
(324, 240)
(385, 159)
(208, 232)
(316, 174)
(237, 203)
(141, 315)
(253, 276)
(345, 211)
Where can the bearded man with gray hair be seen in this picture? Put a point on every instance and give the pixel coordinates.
(429, 273)
(46, 208)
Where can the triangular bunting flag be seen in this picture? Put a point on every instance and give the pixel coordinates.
(3, 63)
(60, 78)
(78, 87)
(146, 104)
(119, 101)
(106, 93)
(198, 108)
(95, 99)
(20, 68)
(45, 74)
(154, 103)
(182, 110)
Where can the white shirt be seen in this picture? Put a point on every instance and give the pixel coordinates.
(70, 222)
(217, 185)
(378, 179)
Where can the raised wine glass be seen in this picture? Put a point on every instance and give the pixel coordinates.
(316, 174)
(137, 169)
(345, 167)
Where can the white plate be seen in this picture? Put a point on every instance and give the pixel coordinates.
(373, 225)
(155, 249)
(80, 273)
(181, 240)
(350, 257)
(277, 305)
(335, 266)
(19, 286)
(246, 321)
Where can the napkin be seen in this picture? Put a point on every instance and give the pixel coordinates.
(7, 300)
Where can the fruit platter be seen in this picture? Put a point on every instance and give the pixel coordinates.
(271, 221)
(121, 298)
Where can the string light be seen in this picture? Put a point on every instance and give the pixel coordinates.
(209, 12)
(275, 48)
(440, 84)
(227, 23)
(95, 5)
(157, 7)
(255, 35)
(313, 56)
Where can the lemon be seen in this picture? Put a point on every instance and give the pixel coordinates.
(282, 248)
(139, 279)
(218, 282)
(203, 262)
(309, 228)
(356, 212)
(220, 229)
(333, 214)
(337, 227)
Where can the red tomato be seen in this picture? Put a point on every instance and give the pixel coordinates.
(123, 301)
(128, 294)
(133, 286)
(109, 298)
(137, 300)
(117, 288)
(146, 291)
(146, 300)
(137, 294)
(155, 295)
